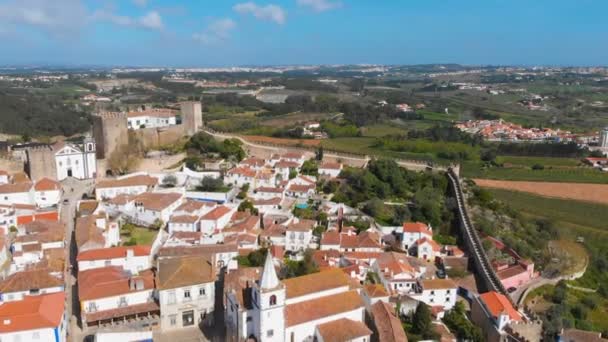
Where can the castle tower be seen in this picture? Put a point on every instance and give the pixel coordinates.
(40, 163)
(192, 116)
(110, 131)
(604, 137)
(269, 305)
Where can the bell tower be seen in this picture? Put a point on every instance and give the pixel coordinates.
(269, 304)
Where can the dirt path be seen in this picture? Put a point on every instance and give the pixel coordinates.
(597, 193)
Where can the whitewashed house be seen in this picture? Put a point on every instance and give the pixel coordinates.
(396, 272)
(126, 185)
(150, 208)
(47, 193)
(111, 293)
(29, 283)
(436, 293)
(186, 291)
(151, 118)
(132, 259)
(216, 219)
(412, 232)
(35, 318)
(298, 235)
(331, 170)
(17, 193)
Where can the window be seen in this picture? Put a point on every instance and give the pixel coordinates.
(249, 318)
(187, 294)
(107, 262)
(171, 297)
(92, 307)
(432, 292)
(447, 292)
(188, 318)
(270, 333)
(202, 292)
(122, 302)
(273, 300)
(447, 299)
(432, 300)
(172, 319)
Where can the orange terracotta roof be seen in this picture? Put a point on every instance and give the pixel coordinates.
(138, 180)
(396, 263)
(33, 312)
(437, 284)
(241, 281)
(327, 306)
(30, 279)
(416, 227)
(343, 329)
(197, 250)
(331, 166)
(269, 189)
(109, 282)
(86, 231)
(497, 303)
(157, 201)
(242, 171)
(113, 253)
(375, 290)
(47, 184)
(183, 219)
(388, 326)
(434, 245)
(330, 238)
(184, 271)
(253, 161)
(15, 188)
(302, 226)
(301, 188)
(192, 205)
(286, 164)
(316, 282)
(216, 213)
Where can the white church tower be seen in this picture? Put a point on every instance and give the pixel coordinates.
(269, 305)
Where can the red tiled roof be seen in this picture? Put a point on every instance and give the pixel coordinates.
(242, 171)
(47, 184)
(15, 188)
(387, 324)
(216, 213)
(33, 312)
(343, 329)
(327, 306)
(143, 180)
(113, 252)
(109, 282)
(157, 201)
(434, 245)
(183, 219)
(301, 188)
(375, 290)
(315, 282)
(497, 303)
(269, 189)
(416, 227)
(302, 226)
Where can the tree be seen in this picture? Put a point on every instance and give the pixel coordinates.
(170, 181)
(422, 322)
(319, 153)
(310, 168)
(243, 193)
(246, 205)
(458, 323)
(293, 174)
(211, 184)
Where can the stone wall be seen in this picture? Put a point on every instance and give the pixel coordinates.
(41, 163)
(110, 131)
(153, 138)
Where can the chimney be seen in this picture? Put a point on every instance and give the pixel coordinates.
(139, 284)
(130, 253)
(7, 321)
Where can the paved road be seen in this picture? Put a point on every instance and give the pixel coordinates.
(73, 191)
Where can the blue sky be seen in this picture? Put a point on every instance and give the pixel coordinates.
(226, 32)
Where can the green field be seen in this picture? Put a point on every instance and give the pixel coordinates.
(140, 235)
(380, 130)
(573, 219)
(363, 145)
(545, 161)
(549, 174)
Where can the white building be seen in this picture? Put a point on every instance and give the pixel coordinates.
(17, 193)
(35, 318)
(151, 208)
(151, 118)
(331, 170)
(110, 293)
(222, 256)
(126, 185)
(299, 235)
(436, 293)
(186, 291)
(217, 219)
(75, 160)
(414, 231)
(47, 193)
(396, 272)
(32, 282)
(133, 259)
(292, 309)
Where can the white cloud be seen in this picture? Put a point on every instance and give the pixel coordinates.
(140, 3)
(152, 20)
(320, 5)
(56, 17)
(269, 12)
(217, 30)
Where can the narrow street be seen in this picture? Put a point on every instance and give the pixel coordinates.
(73, 190)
